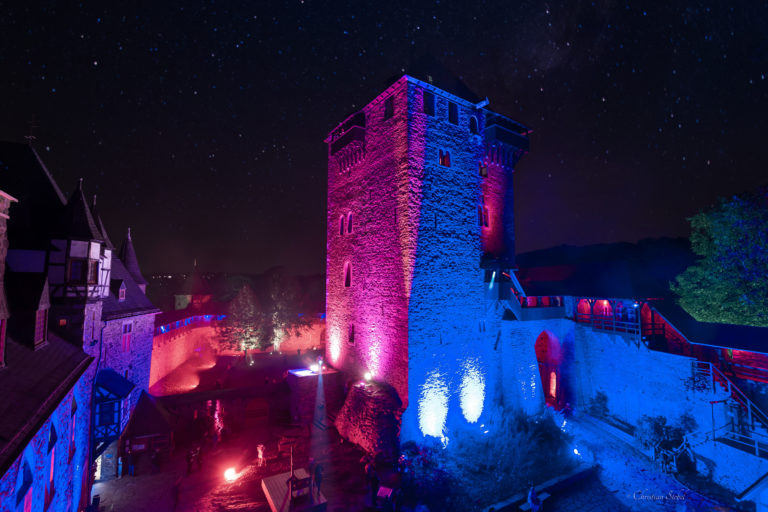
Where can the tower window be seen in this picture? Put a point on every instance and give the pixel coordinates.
(341, 225)
(482, 214)
(453, 113)
(483, 170)
(389, 107)
(121, 294)
(473, 128)
(349, 222)
(347, 275)
(428, 100)
(445, 158)
(351, 334)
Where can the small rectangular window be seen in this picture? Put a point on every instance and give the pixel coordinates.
(453, 113)
(389, 107)
(126, 338)
(428, 103)
(483, 171)
(41, 318)
(121, 294)
(78, 271)
(445, 158)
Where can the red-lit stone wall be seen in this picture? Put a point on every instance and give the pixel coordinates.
(173, 348)
(377, 191)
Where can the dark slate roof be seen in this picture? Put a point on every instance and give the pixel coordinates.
(113, 382)
(76, 221)
(24, 176)
(27, 291)
(621, 270)
(428, 69)
(33, 385)
(148, 418)
(128, 257)
(737, 337)
(135, 303)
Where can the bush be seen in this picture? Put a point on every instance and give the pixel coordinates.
(599, 405)
(479, 468)
(651, 430)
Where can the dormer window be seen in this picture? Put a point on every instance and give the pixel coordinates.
(121, 294)
(41, 322)
(83, 271)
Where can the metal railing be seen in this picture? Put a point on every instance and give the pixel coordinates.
(753, 412)
(753, 443)
(609, 323)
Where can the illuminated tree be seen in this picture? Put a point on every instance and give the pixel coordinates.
(729, 283)
(285, 305)
(247, 325)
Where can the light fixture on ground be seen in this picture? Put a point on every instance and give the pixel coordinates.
(230, 475)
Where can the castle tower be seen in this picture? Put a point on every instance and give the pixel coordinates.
(419, 225)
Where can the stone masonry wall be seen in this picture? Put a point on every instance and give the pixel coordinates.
(367, 321)
(452, 327)
(173, 348)
(70, 472)
(134, 364)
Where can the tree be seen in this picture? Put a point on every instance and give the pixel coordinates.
(729, 282)
(286, 303)
(247, 325)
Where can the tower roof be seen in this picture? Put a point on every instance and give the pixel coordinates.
(76, 221)
(128, 257)
(428, 69)
(24, 176)
(100, 224)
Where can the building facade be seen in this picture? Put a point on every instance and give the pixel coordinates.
(424, 295)
(78, 350)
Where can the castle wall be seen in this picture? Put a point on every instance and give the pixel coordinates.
(171, 349)
(70, 472)
(452, 327)
(133, 364)
(367, 321)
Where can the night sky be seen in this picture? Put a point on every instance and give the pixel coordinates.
(201, 126)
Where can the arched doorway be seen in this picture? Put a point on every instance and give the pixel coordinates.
(549, 355)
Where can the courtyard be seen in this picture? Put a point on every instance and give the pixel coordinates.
(615, 475)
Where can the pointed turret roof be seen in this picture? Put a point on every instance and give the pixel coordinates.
(76, 221)
(24, 176)
(128, 257)
(100, 224)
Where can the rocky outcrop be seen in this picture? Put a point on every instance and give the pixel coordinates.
(370, 418)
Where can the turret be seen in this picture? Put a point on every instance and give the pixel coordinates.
(128, 256)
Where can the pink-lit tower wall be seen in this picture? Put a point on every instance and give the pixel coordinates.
(419, 224)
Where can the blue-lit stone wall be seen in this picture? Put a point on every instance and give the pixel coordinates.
(70, 471)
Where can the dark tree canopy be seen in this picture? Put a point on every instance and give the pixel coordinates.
(258, 320)
(729, 283)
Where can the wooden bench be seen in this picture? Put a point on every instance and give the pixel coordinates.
(543, 496)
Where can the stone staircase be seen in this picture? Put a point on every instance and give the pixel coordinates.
(748, 430)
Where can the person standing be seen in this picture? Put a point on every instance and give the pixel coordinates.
(130, 461)
(533, 499)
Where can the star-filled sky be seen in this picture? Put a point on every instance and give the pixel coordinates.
(200, 124)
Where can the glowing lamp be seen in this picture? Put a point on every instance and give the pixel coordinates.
(576, 451)
(230, 475)
(315, 367)
(367, 376)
